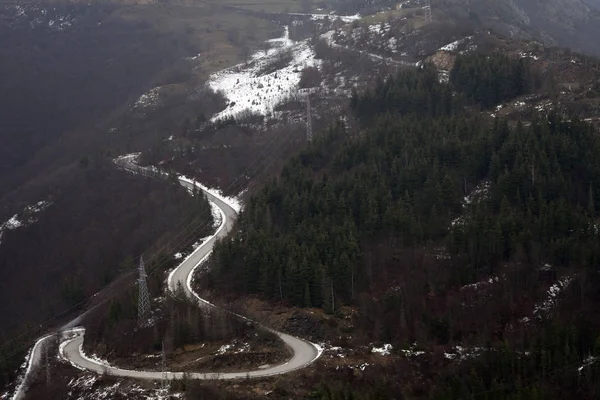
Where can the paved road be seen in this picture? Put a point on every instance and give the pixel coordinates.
(303, 352)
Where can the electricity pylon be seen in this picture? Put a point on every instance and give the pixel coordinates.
(144, 298)
(428, 16)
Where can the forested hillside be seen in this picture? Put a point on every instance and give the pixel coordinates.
(57, 263)
(430, 198)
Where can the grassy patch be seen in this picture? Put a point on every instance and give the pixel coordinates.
(216, 36)
(277, 6)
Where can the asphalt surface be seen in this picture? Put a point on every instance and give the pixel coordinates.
(303, 352)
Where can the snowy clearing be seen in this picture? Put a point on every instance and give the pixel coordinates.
(266, 80)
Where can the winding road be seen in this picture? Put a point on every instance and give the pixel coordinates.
(303, 351)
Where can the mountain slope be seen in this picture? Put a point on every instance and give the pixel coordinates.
(433, 225)
(567, 23)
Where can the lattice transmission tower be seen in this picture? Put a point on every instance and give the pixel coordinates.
(428, 16)
(309, 131)
(144, 298)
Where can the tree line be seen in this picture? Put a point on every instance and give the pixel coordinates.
(350, 214)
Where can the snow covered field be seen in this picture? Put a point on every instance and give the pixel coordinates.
(246, 88)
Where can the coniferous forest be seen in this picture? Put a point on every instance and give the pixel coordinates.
(429, 197)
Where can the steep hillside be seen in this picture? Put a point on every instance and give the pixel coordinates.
(566, 23)
(91, 230)
(438, 226)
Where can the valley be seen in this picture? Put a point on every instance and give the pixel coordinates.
(417, 200)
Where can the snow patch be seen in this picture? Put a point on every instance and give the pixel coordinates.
(232, 202)
(24, 218)
(477, 285)
(463, 353)
(254, 87)
(479, 194)
(385, 350)
(587, 362)
(28, 365)
(411, 352)
(542, 310)
(216, 214)
(454, 45)
(148, 100)
(223, 349)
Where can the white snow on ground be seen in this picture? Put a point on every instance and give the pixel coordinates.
(328, 37)
(477, 195)
(131, 156)
(477, 285)
(529, 55)
(379, 28)
(149, 99)
(333, 351)
(247, 89)
(443, 76)
(93, 358)
(546, 267)
(317, 17)
(223, 349)
(463, 353)
(90, 387)
(361, 367)
(411, 352)
(216, 214)
(236, 347)
(39, 16)
(320, 348)
(24, 218)
(587, 362)
(26, 367)
(385, 350)
(233, 202)
(543, 309)
(454, 45)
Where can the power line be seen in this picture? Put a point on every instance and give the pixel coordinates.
(251, 169)
(268, 152)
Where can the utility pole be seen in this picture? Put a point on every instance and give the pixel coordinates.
(144, 298)
(309, 132)
(428, 16)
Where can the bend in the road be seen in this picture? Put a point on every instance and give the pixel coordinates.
(303, 352)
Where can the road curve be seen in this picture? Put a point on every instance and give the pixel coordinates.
(303, 352)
